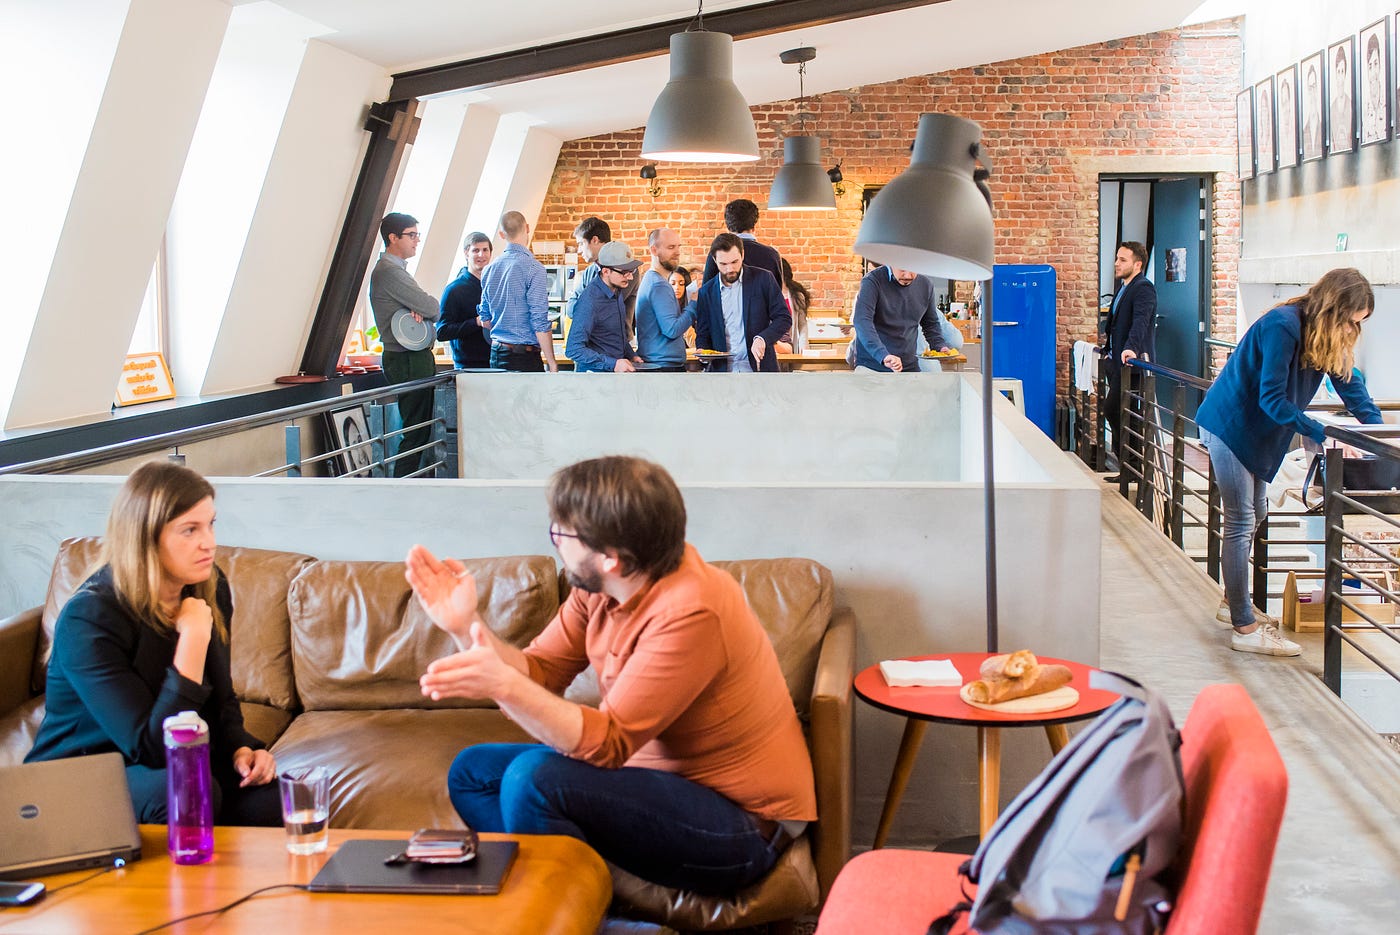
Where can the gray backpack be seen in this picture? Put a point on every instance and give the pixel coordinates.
(1088, 846)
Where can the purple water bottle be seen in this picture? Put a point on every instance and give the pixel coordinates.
(189, 792)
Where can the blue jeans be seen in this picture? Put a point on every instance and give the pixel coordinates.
(1242, 499)
(655, 825)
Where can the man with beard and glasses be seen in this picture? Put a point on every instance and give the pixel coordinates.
(692, 772)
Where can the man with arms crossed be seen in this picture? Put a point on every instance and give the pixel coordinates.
(391, 288)
(598, 336)
(892, 306)
(661, 322)
(515, 303)
(692, 772)
(740, 311)
(459, 322)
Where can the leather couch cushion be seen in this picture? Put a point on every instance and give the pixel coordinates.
(793, 599)
(360, 640)
(18, 730)
(390, 767)
(264, 721)
(790, 889)
(258, 580)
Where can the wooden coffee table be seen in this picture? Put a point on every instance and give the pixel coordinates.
(557, 885)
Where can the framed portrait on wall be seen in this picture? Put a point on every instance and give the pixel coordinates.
(1244, 124)
(1341, 96)
(1310, 77)
(1374, 46)
(1264, 126)
(349, 429)
(1286, 106)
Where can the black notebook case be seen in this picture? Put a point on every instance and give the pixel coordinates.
(358, 867)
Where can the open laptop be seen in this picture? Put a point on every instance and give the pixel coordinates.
(358, 867)
(63, 815)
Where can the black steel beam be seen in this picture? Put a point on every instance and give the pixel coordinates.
(392, 128)
(625, 45)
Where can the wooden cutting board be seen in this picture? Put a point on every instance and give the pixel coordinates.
(1065, 696)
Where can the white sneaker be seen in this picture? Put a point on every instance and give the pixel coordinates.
(1266, 640)
(1222, 615)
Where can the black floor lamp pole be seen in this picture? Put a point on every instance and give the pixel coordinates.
(988, 474)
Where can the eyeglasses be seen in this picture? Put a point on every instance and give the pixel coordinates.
(414, 234)
(555, 535)
(624, 273)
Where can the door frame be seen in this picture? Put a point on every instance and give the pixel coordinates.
(1207, 296)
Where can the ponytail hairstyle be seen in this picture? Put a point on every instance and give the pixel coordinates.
(1329, 334)
(155, 493)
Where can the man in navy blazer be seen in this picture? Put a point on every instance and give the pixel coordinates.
(740, 308)
(1132, 326)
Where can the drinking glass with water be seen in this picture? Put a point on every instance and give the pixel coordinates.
(305, 808)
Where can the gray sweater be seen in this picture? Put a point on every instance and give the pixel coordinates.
(392, 288)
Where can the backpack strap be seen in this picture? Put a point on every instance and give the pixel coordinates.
(944, 923)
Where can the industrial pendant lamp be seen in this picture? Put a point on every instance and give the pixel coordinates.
(801, 184)
(935, 217)
(700, 116)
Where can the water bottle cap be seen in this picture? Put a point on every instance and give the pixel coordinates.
(185, 728)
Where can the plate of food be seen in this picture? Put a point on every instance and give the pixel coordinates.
(1017, 683)
(950, 352)
(709, 352)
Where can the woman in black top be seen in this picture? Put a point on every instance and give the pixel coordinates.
(146, 637)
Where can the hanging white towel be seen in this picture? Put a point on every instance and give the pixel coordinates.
(1086, 366)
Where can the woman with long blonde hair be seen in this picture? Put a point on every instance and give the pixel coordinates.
(146, 636)
(1255, 407)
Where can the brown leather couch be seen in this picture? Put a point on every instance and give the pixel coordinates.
(326, 659)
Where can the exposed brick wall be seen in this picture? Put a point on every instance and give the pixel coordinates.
(1046, 120)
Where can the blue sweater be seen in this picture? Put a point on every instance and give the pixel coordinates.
(1256, 404)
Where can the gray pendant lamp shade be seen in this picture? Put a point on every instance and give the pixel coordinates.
(700, 116)
(802, 184)
(933, 218)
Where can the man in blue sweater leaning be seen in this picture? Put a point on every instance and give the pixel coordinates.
(892, 307)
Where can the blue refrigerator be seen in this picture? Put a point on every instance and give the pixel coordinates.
(1023, 346)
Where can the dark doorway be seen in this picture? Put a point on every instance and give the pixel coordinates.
(1171, 216)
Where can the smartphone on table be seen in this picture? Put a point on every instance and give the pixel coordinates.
(20, 894)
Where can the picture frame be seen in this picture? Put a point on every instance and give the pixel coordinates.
(1244, 125)
(1286, 107)
(1373, 47)
(1264, 126)
(1341, 96)
(349, 428)
(1311, 124)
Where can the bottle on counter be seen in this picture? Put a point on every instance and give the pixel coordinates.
(189, 789)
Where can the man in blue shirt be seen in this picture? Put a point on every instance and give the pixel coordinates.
(591, 235)
(459, 323)
(515, 303)
(739, 311)
(598, 335)
(661, 322)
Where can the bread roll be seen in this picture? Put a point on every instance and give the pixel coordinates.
(1040, 680)
(1009, 665)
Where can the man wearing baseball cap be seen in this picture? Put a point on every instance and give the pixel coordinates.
(598, 336)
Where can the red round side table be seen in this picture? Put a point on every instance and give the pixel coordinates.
(919, 706)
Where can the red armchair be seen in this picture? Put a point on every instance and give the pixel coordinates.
(1236, 786)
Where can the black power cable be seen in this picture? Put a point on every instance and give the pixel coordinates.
(237, 902)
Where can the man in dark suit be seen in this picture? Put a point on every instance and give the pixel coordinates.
(740, 308)
(741, 217)
(1132, 325)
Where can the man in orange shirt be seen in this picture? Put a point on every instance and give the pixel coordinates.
(692, 772)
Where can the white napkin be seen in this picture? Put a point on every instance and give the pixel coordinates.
(930, 673)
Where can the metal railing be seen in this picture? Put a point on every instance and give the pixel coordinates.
(377, 442)
(1167, 475)
(1370, 567)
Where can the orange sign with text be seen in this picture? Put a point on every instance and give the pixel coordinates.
(145, 378)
